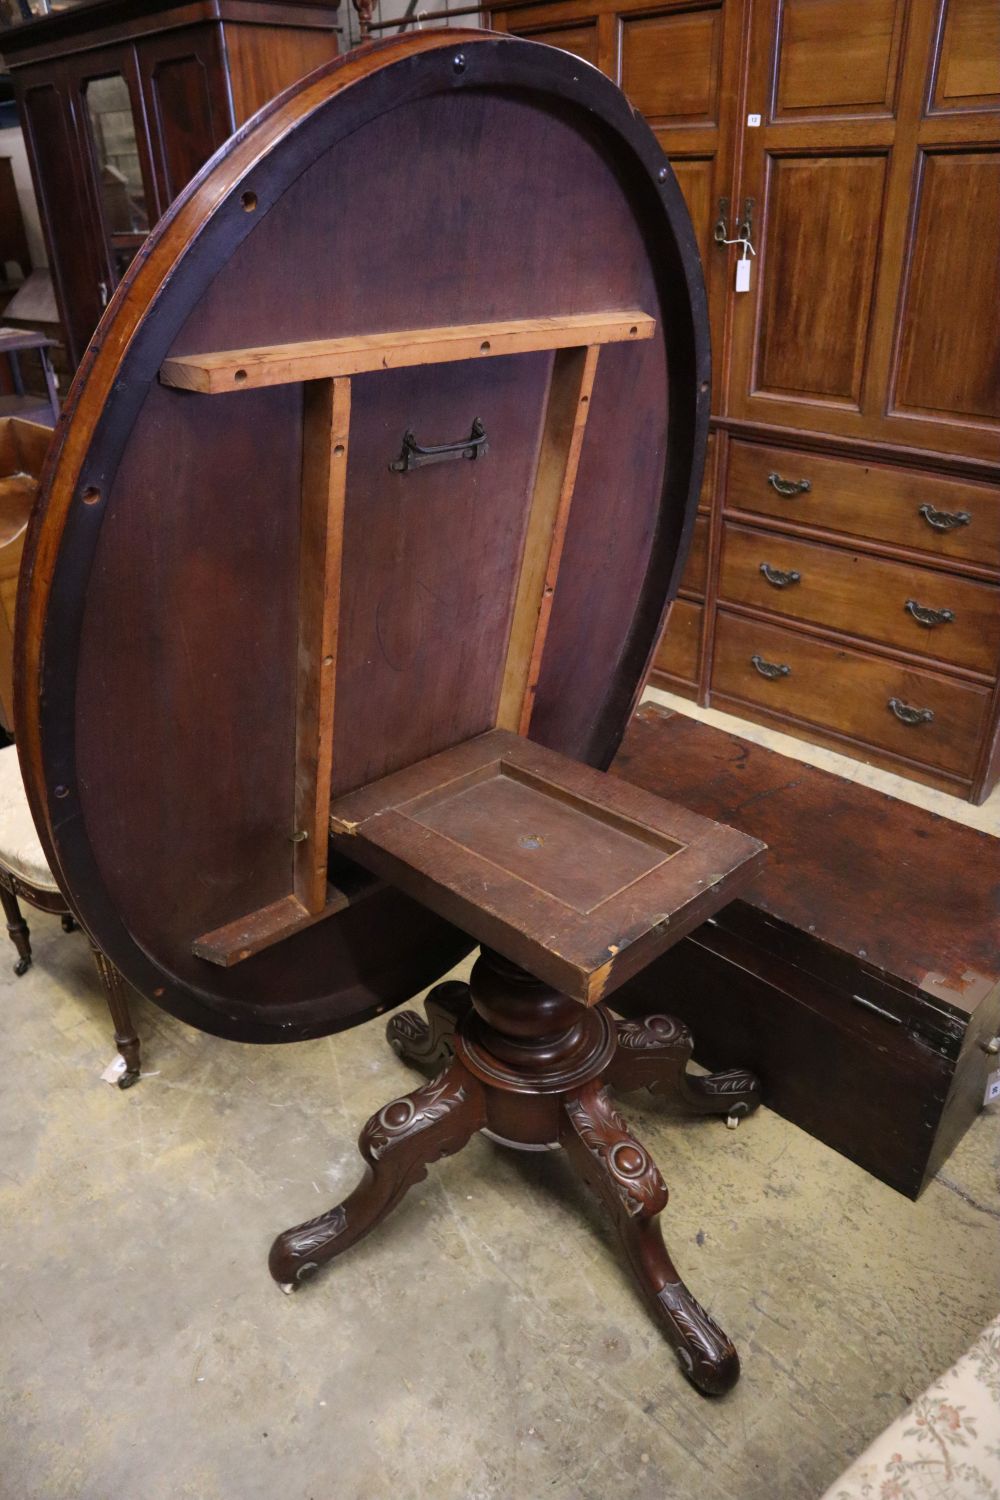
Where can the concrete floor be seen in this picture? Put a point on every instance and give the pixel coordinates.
(485, 1345)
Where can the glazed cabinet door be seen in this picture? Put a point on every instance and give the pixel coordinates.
(679, 63)
(183, 78)
(70, 217)
(875, 179)
(111, 123)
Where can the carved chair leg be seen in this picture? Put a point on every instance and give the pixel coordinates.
(17, 927)
(617, 1168)
(398, 1144)
(654, 1053)
(429, 1044)
(116, 994)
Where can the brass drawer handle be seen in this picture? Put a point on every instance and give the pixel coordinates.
(788, 487)
(907, 715)
(770, 669)
(778, 578)
(944, 520)
(924, 615)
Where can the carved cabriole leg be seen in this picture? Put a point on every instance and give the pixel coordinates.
(398, 1144)
(614, 1165)
(116, 995)
(17, 927)
(429, 1044)
(654, 1053)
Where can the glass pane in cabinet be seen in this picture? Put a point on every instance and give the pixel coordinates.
(110, 110)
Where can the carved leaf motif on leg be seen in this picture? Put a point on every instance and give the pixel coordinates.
(597, 1142)
(705, 1347)
(735, 1081)
(653, 1032)
(315, 1235)
(429, 1044)
(653, 1053)
(407, 1028)
(398, 1144)
(634, 1176)
(412, 1113)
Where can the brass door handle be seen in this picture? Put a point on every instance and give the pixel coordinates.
(944, 520)
(924, 615)
(778, 578)
(789, 487)
(770, 669)
(907, 715)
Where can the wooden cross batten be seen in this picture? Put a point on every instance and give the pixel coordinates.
(326, 366)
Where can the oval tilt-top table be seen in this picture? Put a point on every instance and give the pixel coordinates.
(357, 536)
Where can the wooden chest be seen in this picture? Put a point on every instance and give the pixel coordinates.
(860, 977)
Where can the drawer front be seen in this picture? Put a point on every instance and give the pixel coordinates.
(916, 609)
(696, 571)
(904, 710)
(884, 503)
(679, 651)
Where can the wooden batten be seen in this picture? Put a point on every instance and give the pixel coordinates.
(249, 934)
(326, 424)
(566, 413)
(324, 359)
(256, 930)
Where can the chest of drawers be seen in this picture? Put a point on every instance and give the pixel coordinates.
(850, 600)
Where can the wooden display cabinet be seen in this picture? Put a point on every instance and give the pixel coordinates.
(122, 103)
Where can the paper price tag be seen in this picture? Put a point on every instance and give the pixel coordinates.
(992, 1086)
(742, 275)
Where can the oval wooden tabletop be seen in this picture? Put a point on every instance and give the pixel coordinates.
(445, 179)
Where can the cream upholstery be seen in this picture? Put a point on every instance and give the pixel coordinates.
(946, 1446)
(20, 848)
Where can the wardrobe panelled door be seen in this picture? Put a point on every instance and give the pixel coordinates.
(841, 161)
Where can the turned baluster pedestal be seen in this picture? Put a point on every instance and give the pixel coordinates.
(527, 1052)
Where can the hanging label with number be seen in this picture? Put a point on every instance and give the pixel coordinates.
(743, 266)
